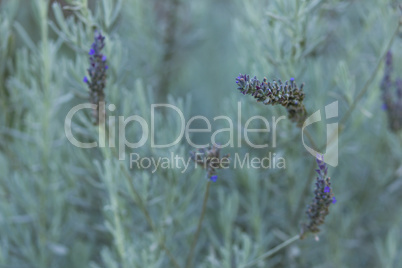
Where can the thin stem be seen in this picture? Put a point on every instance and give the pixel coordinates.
(305, 192)
(273, 251)
(113, 196)
(310, 138)
(197, 233)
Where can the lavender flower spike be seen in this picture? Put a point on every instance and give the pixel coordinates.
(286, 94)
(97, 73)
(392, 96)
(323, 198)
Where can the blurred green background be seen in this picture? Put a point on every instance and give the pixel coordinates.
(62, 206)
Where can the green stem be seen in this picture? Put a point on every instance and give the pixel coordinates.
(197, 233)
(113, 196)
(273, 251)
(303, 195)
(310, 138)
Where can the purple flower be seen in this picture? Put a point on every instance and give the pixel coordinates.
(392, 96)
(333, 200)
(319, 206)
(97, 72)
(214, 178)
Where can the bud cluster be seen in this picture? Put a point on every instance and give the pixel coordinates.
(210, 160)
(97, 73)
(286, 94)
(323, 198)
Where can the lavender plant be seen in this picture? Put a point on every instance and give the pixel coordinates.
(64, 206)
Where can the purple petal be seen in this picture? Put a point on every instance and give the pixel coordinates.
(326, 189)
(104, 58)
(91, 51)
(85, 80)
(214, 178)
(333, 200)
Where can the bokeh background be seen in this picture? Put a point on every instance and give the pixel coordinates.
(62, 206)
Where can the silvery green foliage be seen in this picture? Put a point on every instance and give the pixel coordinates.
(63, 206)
